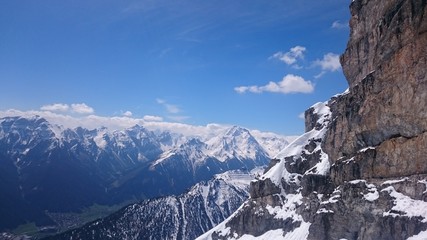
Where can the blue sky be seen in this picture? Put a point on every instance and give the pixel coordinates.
(257, 64)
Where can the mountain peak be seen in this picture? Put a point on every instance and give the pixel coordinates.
(235, 131)
(236, 142)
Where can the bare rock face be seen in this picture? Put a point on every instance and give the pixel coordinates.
(386, 67)
(386, 36)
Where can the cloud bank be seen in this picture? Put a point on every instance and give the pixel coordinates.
(152, 123)
(80, 108)
(56, 107)
(289, 84)
(150, 118)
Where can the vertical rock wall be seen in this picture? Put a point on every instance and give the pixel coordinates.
(386, 67)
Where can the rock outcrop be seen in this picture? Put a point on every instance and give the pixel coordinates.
(360, 170)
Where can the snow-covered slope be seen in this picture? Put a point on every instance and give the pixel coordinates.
(182, 217)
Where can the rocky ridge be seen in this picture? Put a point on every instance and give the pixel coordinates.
(359, 171)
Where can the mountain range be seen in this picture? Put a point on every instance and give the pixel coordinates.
(358, 172)
(46, 168)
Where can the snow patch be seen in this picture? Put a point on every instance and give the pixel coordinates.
(163, 157)
(334, 198)
(322, 167)
(272, 234)
(299, 233)
(405, 205)
(25, 152)
(224, 232)
(288, 209)
(366, 149)
(420, 236)
(297, 147)
(57, 130)
(390, 182)
(324, 210)
(425, 183)
(357, 181)
(100, 140)
(347, 161)
(347, 91)
(372, 195)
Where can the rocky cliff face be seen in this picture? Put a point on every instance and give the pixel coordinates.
(359, 171)
(385, 65)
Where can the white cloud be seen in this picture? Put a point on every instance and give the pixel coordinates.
(291, 56)
(150, 118)
(339, 25)
(170, 108)
(81, 108)
(301, 116)
(289, 84)
(127, 114)
(56, 107)
(330, 62)
(243, 89)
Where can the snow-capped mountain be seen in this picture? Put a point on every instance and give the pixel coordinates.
(56, 169)
(182, 217)
(196, 160)
(235, 148)
(236, 143)
(274, 210)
